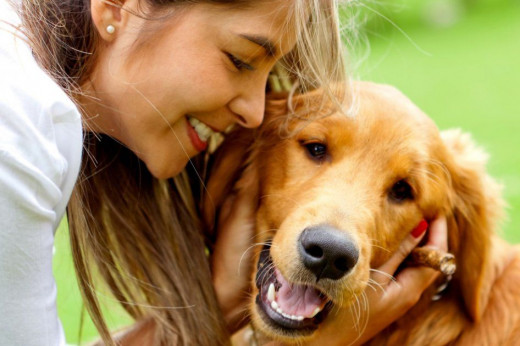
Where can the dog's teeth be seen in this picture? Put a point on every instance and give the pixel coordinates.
(275, 306)
(286, 316)
(271, 293)
(315, 312)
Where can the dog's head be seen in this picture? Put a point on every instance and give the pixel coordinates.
(338, 196)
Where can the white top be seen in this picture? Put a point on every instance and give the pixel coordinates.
(40, 154)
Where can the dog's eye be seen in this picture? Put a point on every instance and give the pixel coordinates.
(401, 191)
(316, 150)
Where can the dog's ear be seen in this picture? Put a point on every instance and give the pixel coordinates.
(476, 206)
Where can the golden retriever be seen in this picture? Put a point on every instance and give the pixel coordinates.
(337, 197)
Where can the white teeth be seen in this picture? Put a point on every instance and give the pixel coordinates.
(202, 129)
(315, 312)
(271, 294)
(214, 142)
(229, 129)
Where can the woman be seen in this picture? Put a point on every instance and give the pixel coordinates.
(147, 81)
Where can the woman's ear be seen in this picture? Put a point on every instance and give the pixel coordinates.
(109, 17)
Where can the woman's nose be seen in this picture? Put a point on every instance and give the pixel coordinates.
(249, 105)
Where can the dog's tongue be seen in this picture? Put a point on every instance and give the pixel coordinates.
(299, 300)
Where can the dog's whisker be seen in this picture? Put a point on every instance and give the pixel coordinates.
(429, 176)
(245, 252)
(361, 303)
(353, 312)
(391, 277)
(357, 326)
(269, 230)
(380, 247)
(357, 309)
(366, 307)
(271, 266)
(433, 178)
(371, 283)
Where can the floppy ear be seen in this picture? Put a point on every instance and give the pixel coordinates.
(476, 206)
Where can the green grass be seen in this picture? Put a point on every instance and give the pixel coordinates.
(468, 79)
(70, 307)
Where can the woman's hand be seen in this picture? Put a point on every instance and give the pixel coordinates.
(232, 258)
(386, 305)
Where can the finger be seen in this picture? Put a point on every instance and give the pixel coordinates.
(417, 279)
(227, 207)
(237, 220)
(248, 182)
(413, 281)
(385, 273)
(438, 233)
(241, 205)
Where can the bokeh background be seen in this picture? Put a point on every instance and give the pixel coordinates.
(458, 60)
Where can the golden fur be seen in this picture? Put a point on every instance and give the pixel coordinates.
(387, 140)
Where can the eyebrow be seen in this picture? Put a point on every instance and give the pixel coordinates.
(263, 42)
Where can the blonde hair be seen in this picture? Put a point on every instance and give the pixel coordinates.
(143, 234)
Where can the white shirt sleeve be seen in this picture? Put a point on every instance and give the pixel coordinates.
(40, 154)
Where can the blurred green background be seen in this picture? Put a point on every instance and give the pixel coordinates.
(458, 60)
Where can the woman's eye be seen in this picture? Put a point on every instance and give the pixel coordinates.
(239, 64)
(316, 150)
(401, 191)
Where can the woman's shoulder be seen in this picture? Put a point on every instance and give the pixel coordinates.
(33, 108)
(26, 86)
(40, 124)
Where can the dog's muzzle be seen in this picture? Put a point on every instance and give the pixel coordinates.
(292, 308)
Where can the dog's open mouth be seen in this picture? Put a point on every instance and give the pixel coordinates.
(293, 308)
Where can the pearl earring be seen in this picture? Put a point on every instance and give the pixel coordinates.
(111, 29)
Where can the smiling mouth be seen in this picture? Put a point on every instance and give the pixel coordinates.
(289, 308)
(202, 136)
(202, 130)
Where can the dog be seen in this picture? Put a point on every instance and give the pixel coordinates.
(339, 193)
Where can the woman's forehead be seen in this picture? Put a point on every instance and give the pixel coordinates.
(267, 24)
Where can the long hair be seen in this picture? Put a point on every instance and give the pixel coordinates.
(141, 234)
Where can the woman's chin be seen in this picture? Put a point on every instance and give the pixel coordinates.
(166, 169)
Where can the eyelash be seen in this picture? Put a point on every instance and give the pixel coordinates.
(239, 64)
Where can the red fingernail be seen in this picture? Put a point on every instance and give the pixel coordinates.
(420, 229)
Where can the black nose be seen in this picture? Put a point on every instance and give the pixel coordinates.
(327, 252)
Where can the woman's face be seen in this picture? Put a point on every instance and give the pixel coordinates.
(204, 68)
